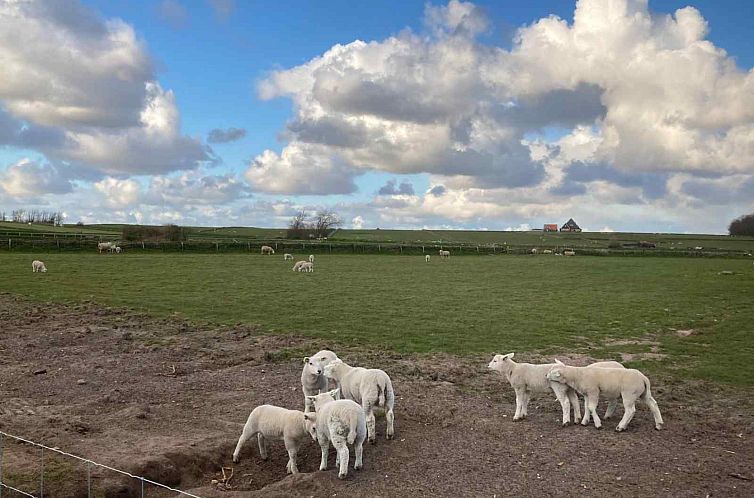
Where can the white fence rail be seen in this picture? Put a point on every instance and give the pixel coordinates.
(89, 465)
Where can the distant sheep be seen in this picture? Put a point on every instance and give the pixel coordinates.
(569, 253)
(287, 256)
(630, 384)
(268, 250)
(104, 246)
(38, 266)
(306, 267)
(273, 422)
(118, 250)
(311, 258)
(342, 422)
(426, 258)
(297, 266)
(444, 254)
(534, 250)
(547, 251)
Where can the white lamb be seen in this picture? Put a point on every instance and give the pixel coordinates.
(313, 380)
(311, 258)
(547, 251)
(426, 258)
(369, 387)
(273, 422)
(526, 378)
(104, 246)
(287, 256)
(630, 384)
(118, 249)
(569, 253)
(342, 422)
(38, 266)
(534, 250)
(444, 254)
(268, 250)
(306, 267)
(297, 266)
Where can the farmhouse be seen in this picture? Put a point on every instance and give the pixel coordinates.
(551, 227)
(570, 226)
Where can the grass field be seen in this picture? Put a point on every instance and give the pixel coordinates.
(465, 305)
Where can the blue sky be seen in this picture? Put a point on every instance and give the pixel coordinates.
(518, 151)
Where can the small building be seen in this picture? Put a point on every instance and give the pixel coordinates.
(570, 226)
(551, 227)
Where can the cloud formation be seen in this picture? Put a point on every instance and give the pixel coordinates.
(391, 187)
(220, 136)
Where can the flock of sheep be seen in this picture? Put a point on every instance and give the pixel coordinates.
(302, 266)
(345, 415)
(342, 416)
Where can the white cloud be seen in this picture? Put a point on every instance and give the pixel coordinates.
(27, 178)
(357, 223)
(117, 193)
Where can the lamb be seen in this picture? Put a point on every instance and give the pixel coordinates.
(313, 380)
(311, 258)
(306, 267)
(526, 378)
(268, 250)
(104, 246)
(369, 387)
(297, 266)
(274, 422)
(569, 253)
(547, 251)
(630, 384)
(287, 256)
(118, 250)
(534, 250)
(426, 258)
(444, 254)
(342, 422)
(38, 266)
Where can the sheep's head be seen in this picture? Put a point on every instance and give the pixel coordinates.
(500, 362)
(313, 366)
(310, 422)
(44, 269)
(325, 356)
(322, 399)
(556, 375)
(331, 367)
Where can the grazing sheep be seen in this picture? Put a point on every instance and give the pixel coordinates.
(630, 384)
(297, 266)
(38, 266)
(313, 380)
(526, 378)
(311, 258)
(342, 422)
(444, 254)
(287, 256)
(547, 251)
(369, 387)
(104, 246)
(534, 250)
(306, 267)
(118, 250)
(569, 253)
(426, 258)
(268, 250)
(273, 422)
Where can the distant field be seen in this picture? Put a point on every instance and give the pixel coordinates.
(464, 305)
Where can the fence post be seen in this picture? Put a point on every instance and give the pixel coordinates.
(9, 244)
(379, 248)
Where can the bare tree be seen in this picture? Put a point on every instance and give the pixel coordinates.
(297, 228)
(325, 221)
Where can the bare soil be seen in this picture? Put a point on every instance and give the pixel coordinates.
(166, 399)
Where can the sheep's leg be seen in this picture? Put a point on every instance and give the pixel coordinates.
(389, 415)
(520, 394)
(342, 448)
(629, 407)
(248, 431)
(611, 405)
(591, 400)
(358, 447)
(324, 445)
(307, 405)
(652, 404)
(565, 403)
(290, 445)
(371, 425)
(262, 446)
(525, 404)
(574, 399)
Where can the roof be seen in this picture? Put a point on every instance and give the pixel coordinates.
(571, 224)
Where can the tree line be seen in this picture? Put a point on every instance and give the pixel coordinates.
(303, 226)
(38, 216)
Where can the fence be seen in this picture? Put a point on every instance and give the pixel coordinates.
(5, 486)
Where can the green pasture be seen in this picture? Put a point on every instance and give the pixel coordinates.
(472, 304)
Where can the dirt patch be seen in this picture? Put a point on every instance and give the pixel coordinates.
(167, 399)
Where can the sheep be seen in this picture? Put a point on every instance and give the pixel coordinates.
(426, 258)
(287, 256)
(306, 267)
(569, 253)
(118, 249)
(534, 250)
(369, 387)
(268, 250)
(103, 246)
(313, 380)
(342, 422)
(297, 266)
(311, 258)
(630, 384)
(444, 254)
(526, 378)
(38, 266)
(274, 422)
(547, 251)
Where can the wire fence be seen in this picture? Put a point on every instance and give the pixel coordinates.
(90, 464)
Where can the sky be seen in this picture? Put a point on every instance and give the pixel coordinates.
(625, 115)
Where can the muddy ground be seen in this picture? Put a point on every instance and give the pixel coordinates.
(166, 399)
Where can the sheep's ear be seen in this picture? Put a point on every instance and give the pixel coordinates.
(310, 417)
(335, 393)
(311, 397)
(306, 359)
(508, 356)
(558, 361)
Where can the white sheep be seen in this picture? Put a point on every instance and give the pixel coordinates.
(369, 387)
(274, 422)
(118, 249)
(426, 258)
(547, 251)
(311, 258)
(313, 380)
(38, 266)
(287, 256)
(342, 422)
(306, 267)
(104, 246)
(534, 250)
(297, 266)
(268, 250)
(444, 254)
(569, 253)
(526, 378)
(630, 384)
